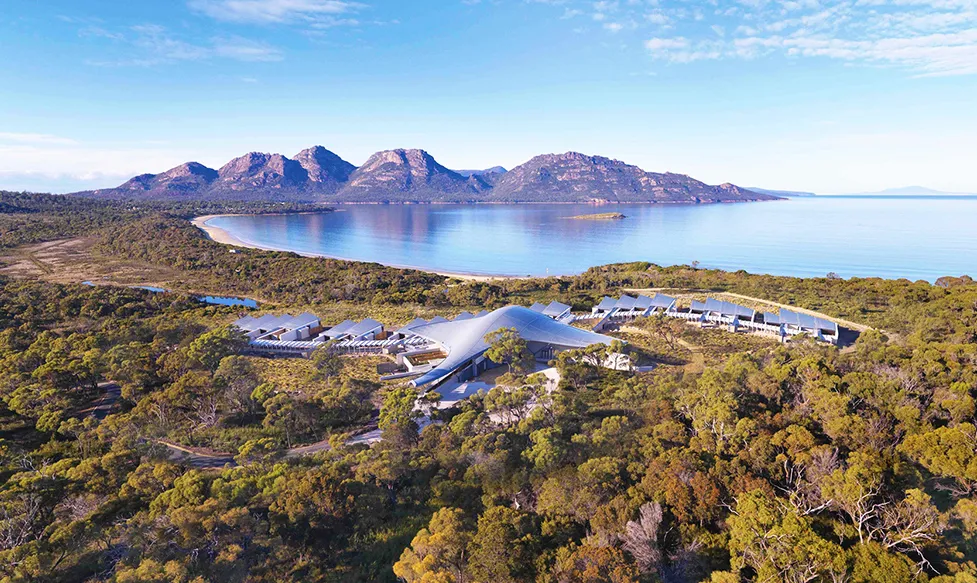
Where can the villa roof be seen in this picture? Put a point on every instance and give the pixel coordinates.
(806, 321)
(302, 320)
(662, 301)
(340, 329)
(555, 309)
(728, 308)
(411, 325)
(466, 339)
(270, 322)
(625, 303)
(363, 327)
(642, 302)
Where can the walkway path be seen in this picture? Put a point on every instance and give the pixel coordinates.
(203, 460)
(103, 405)
(197, 459)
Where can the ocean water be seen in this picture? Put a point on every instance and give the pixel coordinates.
(893, 237)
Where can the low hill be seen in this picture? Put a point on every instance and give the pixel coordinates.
(414, 176)
(185, 179)
(786, 193)
(910, 191)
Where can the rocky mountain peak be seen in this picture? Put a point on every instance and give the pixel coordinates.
(257, 170)
(323, 166)
(191, 169)
(183, 179)
(401, 174)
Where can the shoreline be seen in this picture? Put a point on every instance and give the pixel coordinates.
(222, 236)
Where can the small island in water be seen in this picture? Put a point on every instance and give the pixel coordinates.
(599, 217)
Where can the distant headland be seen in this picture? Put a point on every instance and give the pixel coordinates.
(599, 217)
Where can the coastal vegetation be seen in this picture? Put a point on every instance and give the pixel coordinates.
(27, 217)
(736, 459)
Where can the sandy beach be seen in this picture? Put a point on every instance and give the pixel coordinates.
(219, 235)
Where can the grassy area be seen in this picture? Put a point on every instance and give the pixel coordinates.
(292, 374)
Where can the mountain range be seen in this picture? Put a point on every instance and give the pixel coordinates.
(414, 176)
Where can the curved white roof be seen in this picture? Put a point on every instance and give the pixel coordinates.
(465, 340)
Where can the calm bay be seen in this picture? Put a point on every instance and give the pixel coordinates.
(892, 237)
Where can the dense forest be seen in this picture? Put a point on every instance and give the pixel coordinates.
(736, 459)
(27, 217)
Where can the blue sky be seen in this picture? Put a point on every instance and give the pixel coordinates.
(823, 95)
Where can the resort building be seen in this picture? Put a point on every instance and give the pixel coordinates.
(440, 347)
(631, 307)
(368, 329)
(723, 309)
(462, 343)
(610, 311)
(406, 331)
(793, 323)
(304, 333)
(285, 327)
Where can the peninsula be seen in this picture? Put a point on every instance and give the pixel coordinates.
(599, 217)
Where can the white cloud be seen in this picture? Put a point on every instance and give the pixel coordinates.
(606, 6)
(79, 166)
(657, 17)
(274, 11)
(28, 138)
(923, 37)
(241, 49)
(155, 45)
(658, 44)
